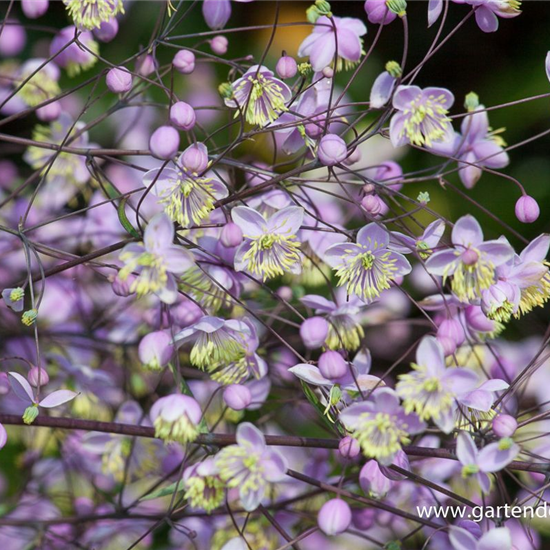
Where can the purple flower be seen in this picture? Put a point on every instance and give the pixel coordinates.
(381, 425)
(250, 466)
(488, 11)
(421, 117)
(90, 14)
(260, 95)
(422, 245)
(176, 418)
(378, 12)
(492, 458)
(156, 260)
(476, 148)
(471, 262)
(203, 486)
(270, 247)
(368, 266)
(497, 538)
(329, 35)
(72, 56)
(187, 196)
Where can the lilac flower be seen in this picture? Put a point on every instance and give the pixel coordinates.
(497, 538)
(270, 247)
(74, 57)
(472, 261)
(260, 95)
(250, 466)
(203, 486)
(341, 35)
(381, 425)
(89, 14)
(422, 245)
(476, 148)
(156, 260)
(431, 389)
(176, 417)
(367, 267)
(23, 390)
(344, 329)
(14, 298)
(217, 341)
(421, 117)
(487, 12)
(492, 458)
(186, 195)
(40, 82)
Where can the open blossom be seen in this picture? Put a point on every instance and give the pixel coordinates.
(89, 14)
(250, 466)
(380, 425)
(186, 195)
(270, 247)
(471, 262)
(216, 341)
(431, 389)
(71, 55)
(176, 418)
(260, 95)
(368, 266)
(477, 147)
(329, 35)
(203, 486)
(422, 245)
(492, 458)
(488, 11)
(421, 117)
(40, 81)
(156, 261)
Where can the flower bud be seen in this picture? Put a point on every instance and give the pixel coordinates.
(314, 128)
(391, 174)
(121, 287)
(285, 293)
(451, 328)
(216, 13)
(32, 377)
(237, 397)
(314, 332)
(107, 30)
(348, 447)
(219, 45)
(448, 345)
(195, 158)
(504, 425)
(164, 142)
(373, 482)
(49, 112)
(155, 350)
(399, 7)
(8, 173)
(334, 517)
(29, 317)
(353, 158)
(12, 39)
(182, 116)
(184, 62)
(332, 365)
(527, 209)
(471, 102)
(231, 235)
(286, 67)
(372, 204)
(363, 518)
(332, 150)
(328, 72)
(145, 65)
(33, 9)
(30, 414)
(378, 13)
(119, 80)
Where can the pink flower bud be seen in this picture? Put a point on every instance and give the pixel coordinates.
(216, 13)
(164, 142)
(219, 45)
(334, 517)
(119, 80)
(372, 204)
(121, 287)
(328, 72)
(195, 158)
(315, 127)
(32, 377)
(184, 62)
(332, 150)
(378, 12)
(504, 425)
(372, 481)
(363, 518)
(231, 235)
(49, 112)
(353, 158)
(391, 174)
(477, 320)
(12, 39)
(332, 365)
(145, 65)
(448, 345)
(285, 293)
(469, 256)
(155, 350)
(349, 447)
(182, 116)
(33, 9)
(314, 332)
(451, 328)
(107, 30)
(286, 67)
(237, 397)
(527, 209)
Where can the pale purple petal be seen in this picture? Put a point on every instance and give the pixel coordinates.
(251, 222)
(322, 54)
(537, 250)
(286, 221)
(397, 137)
(318, 302)
(441, 263)
(274, 465)
(373, 236)
(57, 398)
(497, 251)
(434, 11)
(491, 154)
(21, 387)
(486, 20)
(381, 90)
(159, 233)
(349, 45)
(467, 232)
(498, 538)
(310, 374)
(466, 450)
(404, 95)
(249, 436)
(492, 459)
(461, 539)
(430, 354)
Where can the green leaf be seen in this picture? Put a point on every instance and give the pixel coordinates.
(165, 491)
(124, 219)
